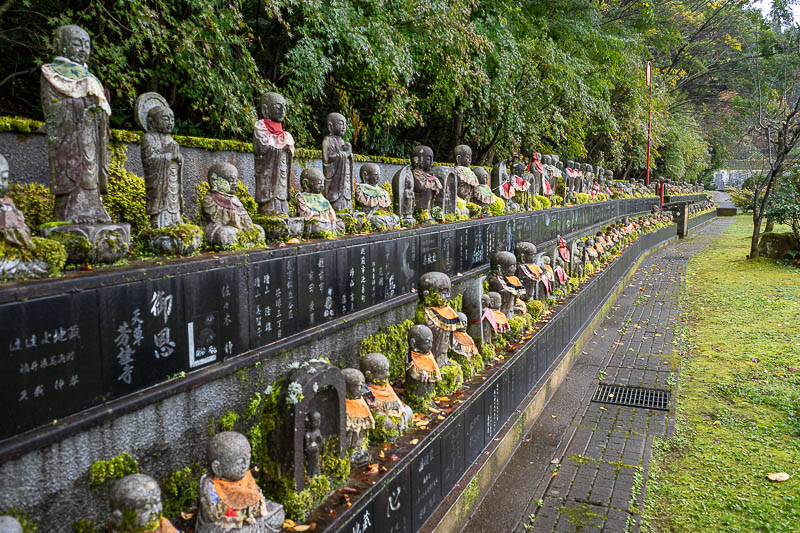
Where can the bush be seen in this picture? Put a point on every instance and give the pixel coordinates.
(35, 202)
(743, 199)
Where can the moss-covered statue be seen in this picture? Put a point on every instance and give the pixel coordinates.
(390, 413)
(433, 289)
(229, 497)
(9, 524)
(136, 506)
(426, 185)
(483, 192)
(337, 161)
(576, 256)
(463, 344)
(467, 180)
(22, 255)
(226, 222)
(375, 201)
(359, 417)
(520, 180)
(273, 149)
(317, 212)
(503, 187)
(498, 321)
(403, 198)
(505, 282)
(528, 272)
(422, 372)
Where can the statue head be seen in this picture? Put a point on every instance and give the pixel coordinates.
(160, 119)
(495, 300)
(420, 338)
(504, 263)
(72, 42)
(609, 175)
(375, 367)
(434, 281)
(222, 177)
(482, 175)
(545, 259)
(560, 165)
(589, 168)
(354, 382)
(3, 175)
(463, 155)
(525, 252)
(313, 420)
(136, 496)
(463, 319)
(518, 168)
(312, 180)
(486, 301)
(422, 158)
(337, 124)
(9, 524)
(370, 173)
(272, 106)
(229, 455)
(571, 164)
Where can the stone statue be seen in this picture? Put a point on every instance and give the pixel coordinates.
(463, 343)
(426, 185)
(483, 195)
(337, 160)
(504, 281)
(559, 269)
(137, 498)
(371, 198)
(273, 149)
(9, 524)
(13, 228)
(499, 321)
(442, 320)
(502, 185)
(520, 183)
(467, 180)
(528, 272)
(224, 216)
(545, 287)
(473, 306)
(229, 497)
(403, 196)
(312, 444)
(76, 113)
(313, 207)
(381, 397)
(422, 372)
(359, 417)
(162, 161)
(576, 259)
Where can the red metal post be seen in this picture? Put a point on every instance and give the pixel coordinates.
(649, 81)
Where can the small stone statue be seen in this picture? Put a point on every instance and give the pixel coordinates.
(313, 207)
(545, 287)
(404, 198)
(442, 319)
(505, 282)
(381, 397)
(312, 444)
(9, 524)
(372, 198)
(76, 113)
(162, 161)
(224, 216)
(13, 228)
(359, 417)
(500, 322)
(136, 506)
(273, 149)
(528, 272)
(229, 497)
(426, 185)
(576, 259)
(520, 183)
(559, 270)
(467, 180)
(483, 195)
(502, 185)
(337, 160)
(463, 344)
(422, 372)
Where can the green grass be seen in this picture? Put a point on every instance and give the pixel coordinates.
(739, 399)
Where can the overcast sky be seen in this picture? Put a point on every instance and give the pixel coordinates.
(764, 5)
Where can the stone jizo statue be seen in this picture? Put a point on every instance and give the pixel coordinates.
(442, 320)
(13, 229)
(273, 149)
(359, 417)
(381, 397)
(505, 282)
(312, 444)
(9, 524)
(76, 112)
(499, 322)
(426, 185)
(422, 369)
(337, 160)
(224, 216)
(371, 198)
(229, 498)
(528, 272)
(467, 180)
(136, 506)
(483, 195)
(312, 205)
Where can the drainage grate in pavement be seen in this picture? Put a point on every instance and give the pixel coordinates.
(632, 397)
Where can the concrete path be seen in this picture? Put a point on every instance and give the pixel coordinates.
(584, 464)
(722, 198)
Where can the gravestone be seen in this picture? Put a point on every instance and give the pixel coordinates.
(273, 300)
(426, 483)
(393, 505)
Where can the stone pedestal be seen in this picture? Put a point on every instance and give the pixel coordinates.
(93, 243)
(281, 227)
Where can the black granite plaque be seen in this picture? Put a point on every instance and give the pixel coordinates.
(492, 243)
(478, 245)
(145, 343)
(523, 229)
(453, 454)
(492, 408)
(316, 282)
(547, 229)
(377, 267)
(518, 381)
(505, 396)
(50, 359)
(428, 252)
(447, 252)
(474, 431)
(463, 248)
(362, 522)
(426, 483)
(214, 325)
(541, 355)
(407, 257)
(532, 366)
(273, 291)
(393, 505)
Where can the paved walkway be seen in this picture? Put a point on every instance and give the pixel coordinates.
(584, 465)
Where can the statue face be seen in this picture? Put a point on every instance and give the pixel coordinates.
(354, 380)
(273, 107)
(74, 44)
(376, 368)
(234, 462)
(149, 511)
(370, 174)
(314, 420)
(422, 158)
(496, 299)
(463, 156)
(314, 182)
(165, 121)
(483, 176)
(421, 341)
(3, 175)
(337, 124)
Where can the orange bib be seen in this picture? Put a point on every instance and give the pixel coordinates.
(384, 393)
(357, 408)
(238, 494)
(425, 361)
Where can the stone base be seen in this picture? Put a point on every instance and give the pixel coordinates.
(172, 245)
(20, 269)
(282, 227)
(93, 243)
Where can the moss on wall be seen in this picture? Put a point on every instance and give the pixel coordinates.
(35, 202)
(391, 341)
(112, 469)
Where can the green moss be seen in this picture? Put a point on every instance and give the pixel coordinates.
(422, 216)
(517, 324)
(179, 490)
(561, 187)
(381, 434)
(27, 523)
(84, 525)
(471, 494)
(387, 186)
(498, 207)
(51, 252)
(419, 403)
(78, 249)
(113, 469)
(35, 201)
(582, 198)
(474, 210)
(543, 200)
(185, 233)
(535, 309)
(20, 125)
(452, 379)
(487, 352)
(469, 366)
(247, 239)
(126, 200)
(226, 422)
(393, 343)
(433, 299)
(457, 303)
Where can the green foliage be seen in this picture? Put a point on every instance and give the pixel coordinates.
(185, 233)
(113, 469)
(77, 248)
(487, 352)
(384, 432)
(179, 490)
(457, 303)
(126, 200)
(84, 525)
(51, 252)
(422, 216)
(35, 202)
(419, 403)
(226, 422)
(535, 308)
(393, 343)
(452, 379)
(27, 523)
(474, 210)
(498, 207)
(544, 201)
(785, 205)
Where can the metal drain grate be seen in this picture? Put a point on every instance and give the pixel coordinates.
(632, 397)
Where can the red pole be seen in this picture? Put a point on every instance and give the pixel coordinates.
(649, 121)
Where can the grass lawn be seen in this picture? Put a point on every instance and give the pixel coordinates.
(738, 398)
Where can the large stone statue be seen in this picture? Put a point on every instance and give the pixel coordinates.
(422, 371)
(359, 417)
(337, 160)
(381, 398)
(76, 112)
(504, 281)
(162, 161)
(229, 497)
(224, 216)
(426, 185)
(371, 198)
(441, 318)
(136, 506)
(315, 209)
(274, 152)
(483, 192)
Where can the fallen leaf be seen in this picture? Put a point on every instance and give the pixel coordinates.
(440, 417)
(442, 399)
(293, 240)
(778, 476)
(372, 470)
(394, 457)
(553, 416)
(716, 423)
(554, 461)
(186, 516)
(381, 455)
(603, 409)
(413, 442)
(433, 410)
(742, 499)
(288, 524)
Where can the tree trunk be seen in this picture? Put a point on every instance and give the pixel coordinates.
(770, 227)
